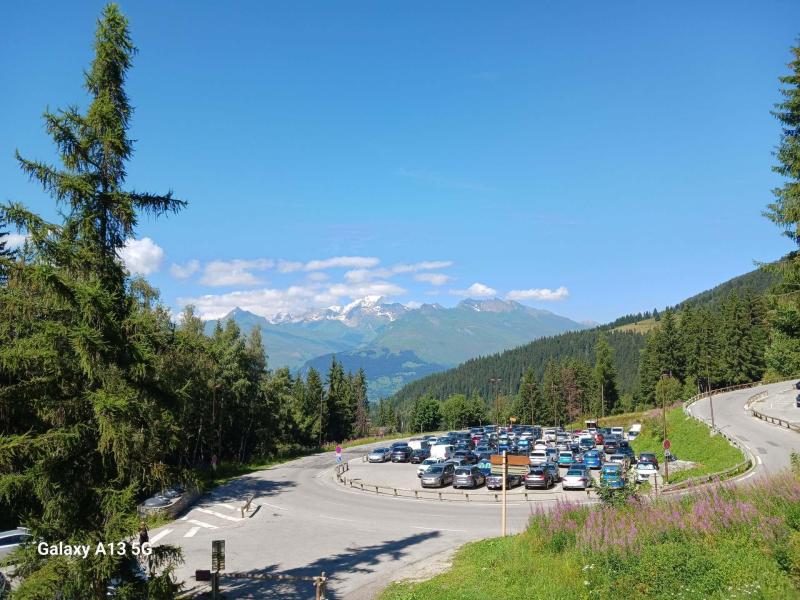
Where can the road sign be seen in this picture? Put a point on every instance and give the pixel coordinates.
(512, 469)
(666, 444)
(513, 459)
(218, 555)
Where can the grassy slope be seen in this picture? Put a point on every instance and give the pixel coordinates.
(642, 326)
(718, 544)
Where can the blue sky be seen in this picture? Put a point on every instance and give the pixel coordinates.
(589, 158)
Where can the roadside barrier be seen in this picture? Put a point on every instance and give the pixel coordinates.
(444, 496)
(769, 418)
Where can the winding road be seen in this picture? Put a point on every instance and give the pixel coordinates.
(306, 523)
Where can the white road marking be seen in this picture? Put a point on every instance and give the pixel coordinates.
(228, 506)
(220, 515)
(437, 529)
(338, 519)
(273, 506)
(192, 531)
(761, 462)
(184, 517)
(203, 525)
(750, 474)
(160, 535)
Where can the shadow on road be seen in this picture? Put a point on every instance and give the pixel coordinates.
(238, 489)
(351, 560)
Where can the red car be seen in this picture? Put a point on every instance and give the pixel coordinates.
(599, 440)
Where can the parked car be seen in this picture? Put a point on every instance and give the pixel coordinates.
(538, 477)
(379, 455)
(610, 446)
(599, 438)
(626, 449)
(538, 457)
(619, 459)
(443, 451)
(648, 457)
(401, 454)
(438, 475)
(457, 462)
(417, 456)
(645, 471)
(612, 475)
(468, 477)
(427, 463)
(797, 385)
(797, 401)
(593, 459)
(495, 482)
(565, 459)
(466, 455)
(13, 539)
(576, 479)
(553, 469)
(586, 443)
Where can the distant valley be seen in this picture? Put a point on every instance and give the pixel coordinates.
(395, 344)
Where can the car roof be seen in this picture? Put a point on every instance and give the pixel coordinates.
(17, 531)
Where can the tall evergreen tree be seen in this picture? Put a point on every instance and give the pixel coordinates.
(361, 424)
(605, 378)
(98, 429)
(783, 354)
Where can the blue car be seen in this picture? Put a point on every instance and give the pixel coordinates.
(593, 459)
(485, 467)
(613, 476)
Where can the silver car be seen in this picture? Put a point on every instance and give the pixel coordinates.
(380, 455)
(468, 477)
(576, 479)
(13, 539)
(438, 475)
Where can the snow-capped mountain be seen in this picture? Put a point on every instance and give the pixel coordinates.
(394, 343)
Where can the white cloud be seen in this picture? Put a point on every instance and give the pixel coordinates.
(356, 262)
(14, 240)
(476, 290)
(433, 278)
(141, 257)
(360, 275)
(288, 266)
(184, 271)
(413, 304)
(317, 276)
(544, 294)
(219, 273)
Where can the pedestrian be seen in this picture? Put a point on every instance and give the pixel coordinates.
(144, 535)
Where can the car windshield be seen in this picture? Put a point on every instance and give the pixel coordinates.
(463, 471)
(536, 471)
(611, 469)
(575, 472)
(646, 467)
(566, 455)
(397, 448)
(378, 450)
(435, 469)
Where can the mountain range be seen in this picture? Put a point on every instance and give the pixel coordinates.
(396, 344)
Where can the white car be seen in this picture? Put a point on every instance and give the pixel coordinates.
(645, 472)
(540, 445)
(423, 466)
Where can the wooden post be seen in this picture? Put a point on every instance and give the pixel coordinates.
(505, 477)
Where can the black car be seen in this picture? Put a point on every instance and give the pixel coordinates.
(626, 449)
(401, 453)
(797, 402)
(797, 385)
(610, 447)
(495, 482)
(417, 456)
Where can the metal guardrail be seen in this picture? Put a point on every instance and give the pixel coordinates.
(738, 469)
(442, 496)
(769, 418)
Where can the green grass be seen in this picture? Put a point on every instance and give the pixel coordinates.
(720, 543)
(690, 440)
(642, 326)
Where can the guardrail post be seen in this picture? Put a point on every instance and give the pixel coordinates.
(416, 494)
(440, 496)
(395, 491)
(466, 495)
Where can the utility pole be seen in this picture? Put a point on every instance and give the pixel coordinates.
(664, 415)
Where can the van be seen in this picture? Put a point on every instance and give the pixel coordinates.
(443, 451)
(634, 431)
(620, 431)
(418, 444)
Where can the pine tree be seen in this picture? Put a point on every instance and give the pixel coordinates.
(93, 427)
(783, 354)
(605, 377)
(361, 424)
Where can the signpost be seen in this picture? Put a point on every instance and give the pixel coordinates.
(502, 465)
(217, 565)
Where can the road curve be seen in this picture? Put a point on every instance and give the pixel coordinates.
(770, 444)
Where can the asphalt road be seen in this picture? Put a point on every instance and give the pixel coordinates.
(770, 444)
(306, 523)
(781, 405)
